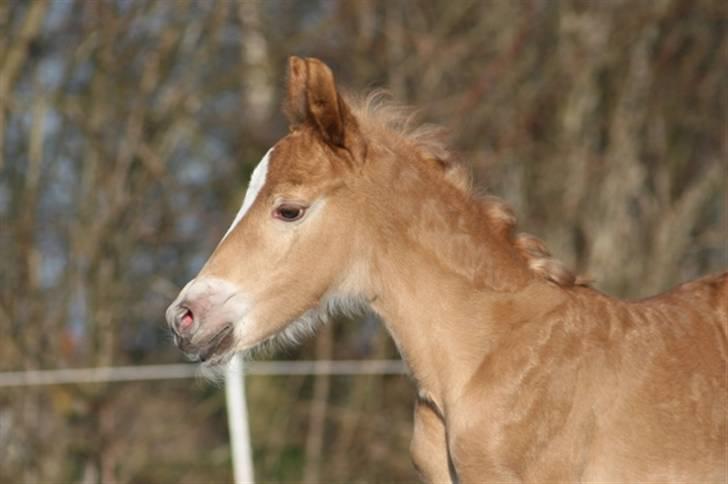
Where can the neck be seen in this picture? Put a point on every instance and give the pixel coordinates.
(449, 287)
(444, 327)
(446, 277)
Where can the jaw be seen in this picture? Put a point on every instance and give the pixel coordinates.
(248, 343)
(298, 329)
(267, 340)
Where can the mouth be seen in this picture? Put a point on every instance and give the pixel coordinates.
(214, 351)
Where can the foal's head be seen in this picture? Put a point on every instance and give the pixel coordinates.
(291, 250)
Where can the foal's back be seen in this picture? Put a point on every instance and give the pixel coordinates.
(667, 419)
(665, 382)
(606, 390)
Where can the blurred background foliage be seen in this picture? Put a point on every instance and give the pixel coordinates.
(128, 130)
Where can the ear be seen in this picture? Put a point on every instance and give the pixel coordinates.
(314, 99)
(325, 107)
(295, 105)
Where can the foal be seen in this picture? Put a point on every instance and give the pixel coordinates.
(523, 373)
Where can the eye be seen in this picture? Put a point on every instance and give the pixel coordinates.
(289, 212)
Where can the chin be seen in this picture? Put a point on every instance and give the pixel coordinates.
(214, 369)
(219, 360)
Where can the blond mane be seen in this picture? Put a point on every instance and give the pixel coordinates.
(397, 126)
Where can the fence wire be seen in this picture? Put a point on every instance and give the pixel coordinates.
(65, 376)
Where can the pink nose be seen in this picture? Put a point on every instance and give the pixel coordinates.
(185, 322)
(204, 314)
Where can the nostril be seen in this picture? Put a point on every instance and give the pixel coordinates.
(185, 321)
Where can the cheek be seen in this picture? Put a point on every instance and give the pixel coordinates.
(301, 260)
(265, 254)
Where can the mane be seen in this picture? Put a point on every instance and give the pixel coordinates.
(397, 126)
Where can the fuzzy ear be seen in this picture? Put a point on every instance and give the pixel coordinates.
(295, 105)
(314, 99)
(324, 105)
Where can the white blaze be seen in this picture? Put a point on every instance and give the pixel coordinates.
(257, 180)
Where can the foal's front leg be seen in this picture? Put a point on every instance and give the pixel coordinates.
(429, 445)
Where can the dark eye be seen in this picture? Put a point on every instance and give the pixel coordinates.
(289, 213)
